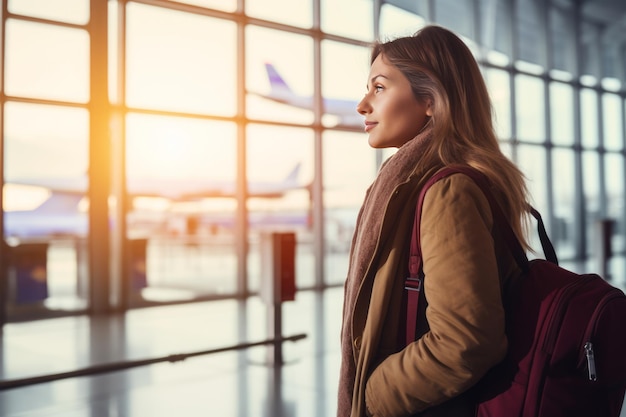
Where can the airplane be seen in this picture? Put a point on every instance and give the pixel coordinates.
(58, 215)
(280, 92)
(61, 213)
(182, 190)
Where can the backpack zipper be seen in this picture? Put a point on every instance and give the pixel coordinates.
(588, 346)
(591, 361)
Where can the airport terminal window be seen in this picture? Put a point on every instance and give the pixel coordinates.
(46, 61)
(55, 146)
(174, 84)
(499, 85)
(590, 51)
(349, 168)
(561, 113)
(181, 194)
(590, 136)
(395, 22)
(496, 34)
(45, 202)
(591, 195)
(613, 178)
(291, 12)
(612, 122)
(279, 76)
(507, 149)
(563, 188)
(70, 11)
(280, 171)
(458, 16)
(225, 5)
(562, 39)
(349, 18)
(344, 77)
(531, 159)
(530, 108)
(530, 33)
(189, 68)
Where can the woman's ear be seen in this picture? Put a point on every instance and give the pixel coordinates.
(429, 108)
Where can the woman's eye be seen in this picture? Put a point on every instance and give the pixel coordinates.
(378, 88)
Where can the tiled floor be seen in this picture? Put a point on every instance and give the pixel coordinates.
(239, 383)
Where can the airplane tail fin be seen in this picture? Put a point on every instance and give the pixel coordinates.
(292, 177)
(277, 83)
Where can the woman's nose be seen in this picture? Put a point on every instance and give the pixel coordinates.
(363, 107)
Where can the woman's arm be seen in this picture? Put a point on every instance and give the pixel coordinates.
(465, 313)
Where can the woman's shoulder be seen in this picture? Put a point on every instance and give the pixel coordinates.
(458, 192)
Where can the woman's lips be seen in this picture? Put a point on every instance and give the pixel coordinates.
(369, 126)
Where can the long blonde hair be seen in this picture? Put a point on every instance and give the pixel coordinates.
(441, 69)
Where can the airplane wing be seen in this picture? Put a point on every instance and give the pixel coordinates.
(175, 189)
(61, 185)
(59, 214)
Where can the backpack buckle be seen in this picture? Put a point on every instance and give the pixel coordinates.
(413, 284)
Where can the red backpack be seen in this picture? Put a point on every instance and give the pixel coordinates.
(566, 332)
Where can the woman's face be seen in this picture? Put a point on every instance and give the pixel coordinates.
(393, 115)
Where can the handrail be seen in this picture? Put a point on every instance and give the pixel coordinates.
(116, 366)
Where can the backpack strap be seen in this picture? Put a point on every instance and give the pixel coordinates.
(414, 282)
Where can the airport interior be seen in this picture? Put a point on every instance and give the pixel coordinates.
(181, 180)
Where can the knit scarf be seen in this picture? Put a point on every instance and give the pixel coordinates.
(395, 171)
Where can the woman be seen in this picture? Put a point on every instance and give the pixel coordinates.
(426, 97)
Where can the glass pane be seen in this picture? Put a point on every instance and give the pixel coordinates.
(562, 113)
(612, 122)
(589, 117)
(530, 34)
(47, 62)
(495, 26)
(590, 50)
(349, 18)
(278, 186)
(591, 191)
(396, 22)
(45, 204)
(507, 149)
(455, 15)
(349, 168)
(181, 183)
(279, 76)
(612, 58)
(226, 5)
(532, 162)
(530, 102)
(291, 12)
(562, 40)
(192, 68)
(344, 76)
(70, 11)
(563, 233)
(613, 177)
(498, 83)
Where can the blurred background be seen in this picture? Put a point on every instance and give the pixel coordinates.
(148, 146)
(171, 134)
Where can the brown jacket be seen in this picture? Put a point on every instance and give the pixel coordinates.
(465, 265)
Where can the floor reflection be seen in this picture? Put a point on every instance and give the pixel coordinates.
(237, 383)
